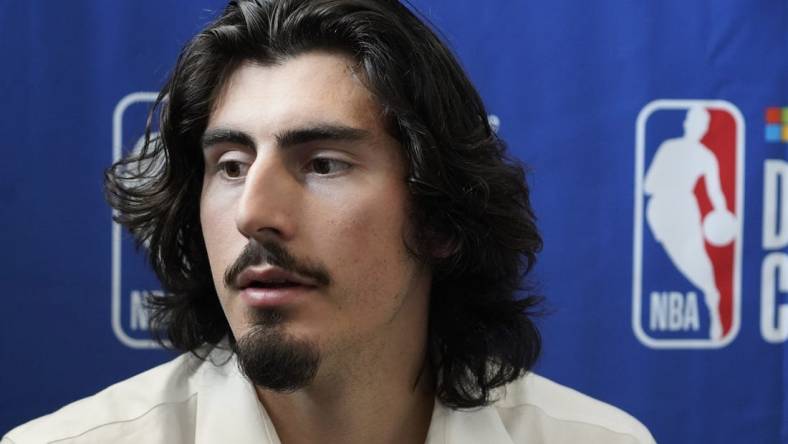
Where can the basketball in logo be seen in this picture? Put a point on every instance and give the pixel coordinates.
(688, 223)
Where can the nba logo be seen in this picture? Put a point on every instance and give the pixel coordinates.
(132, 279)
(688, 224)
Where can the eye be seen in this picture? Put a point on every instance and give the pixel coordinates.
(232, 169)
(325, 166)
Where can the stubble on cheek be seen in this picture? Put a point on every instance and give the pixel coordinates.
(222, 243)
(379, 266)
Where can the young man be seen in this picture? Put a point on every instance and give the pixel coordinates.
(341, 237)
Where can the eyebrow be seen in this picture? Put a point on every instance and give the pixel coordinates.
(288, 138)
(300, 136)
(213, 137)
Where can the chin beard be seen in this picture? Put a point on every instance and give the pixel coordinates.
(272, 359)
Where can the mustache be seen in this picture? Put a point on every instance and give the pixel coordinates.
(275, 254)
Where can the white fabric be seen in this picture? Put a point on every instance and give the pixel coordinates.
(192, 401)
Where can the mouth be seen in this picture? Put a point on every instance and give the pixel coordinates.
(272, 286)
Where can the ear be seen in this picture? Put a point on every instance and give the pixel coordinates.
(443, 246)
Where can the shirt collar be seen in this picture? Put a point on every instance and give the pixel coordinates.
(480, 425)
(228, 411)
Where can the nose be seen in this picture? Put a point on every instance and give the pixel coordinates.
(268, 201)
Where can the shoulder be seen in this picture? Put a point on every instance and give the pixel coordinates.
(536, 405)
(670, 149)
(161, 392)
(671, 143)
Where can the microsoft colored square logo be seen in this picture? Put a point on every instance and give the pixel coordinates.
(777, 124)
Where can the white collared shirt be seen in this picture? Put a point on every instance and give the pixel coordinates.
(191, 401)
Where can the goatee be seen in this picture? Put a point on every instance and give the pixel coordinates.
(272, 359)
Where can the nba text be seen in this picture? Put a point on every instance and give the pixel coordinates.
(674, 311)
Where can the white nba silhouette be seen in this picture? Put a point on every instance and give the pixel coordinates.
(673, 213)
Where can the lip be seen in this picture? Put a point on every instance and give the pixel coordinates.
(266, 297)
(273, 297)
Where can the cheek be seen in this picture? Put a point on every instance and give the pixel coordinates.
(365, 239)
(223, 244)
(220, 234)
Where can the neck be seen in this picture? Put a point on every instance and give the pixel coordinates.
(356, 407)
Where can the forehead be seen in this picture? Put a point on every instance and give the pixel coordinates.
(299, 90)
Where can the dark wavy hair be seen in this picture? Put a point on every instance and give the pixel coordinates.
(467, 195)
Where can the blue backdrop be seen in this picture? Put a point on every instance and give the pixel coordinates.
(584, 92)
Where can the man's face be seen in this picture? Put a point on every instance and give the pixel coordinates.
(299, 165)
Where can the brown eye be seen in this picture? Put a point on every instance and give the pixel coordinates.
(231, 169)
(323, 166)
